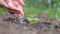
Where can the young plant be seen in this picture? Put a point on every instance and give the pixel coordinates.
(32, 19)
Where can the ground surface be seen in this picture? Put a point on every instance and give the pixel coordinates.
(9, 27)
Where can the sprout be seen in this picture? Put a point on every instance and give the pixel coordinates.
(33, 20)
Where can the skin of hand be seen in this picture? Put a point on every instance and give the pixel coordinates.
(18, 13)
(14, 6)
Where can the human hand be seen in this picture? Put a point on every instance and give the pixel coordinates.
(13, 5)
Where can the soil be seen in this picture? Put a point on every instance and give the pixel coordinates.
(43, 27)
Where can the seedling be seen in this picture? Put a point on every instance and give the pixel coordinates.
(32, 19)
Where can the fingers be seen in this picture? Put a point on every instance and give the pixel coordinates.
(13, 6)
(2, 2)
(7, 1)
(10, 4)
(21, 2)
(18, 13)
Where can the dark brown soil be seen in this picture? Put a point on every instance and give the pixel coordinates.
(13, 27)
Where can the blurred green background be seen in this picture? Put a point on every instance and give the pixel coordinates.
(41, 6)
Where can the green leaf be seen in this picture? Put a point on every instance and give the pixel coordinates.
(34, 20)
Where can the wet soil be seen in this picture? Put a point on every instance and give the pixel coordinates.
(43, 27)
